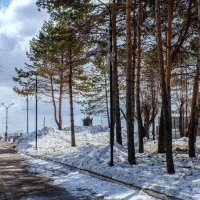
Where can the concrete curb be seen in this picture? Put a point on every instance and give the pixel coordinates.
(150, 192)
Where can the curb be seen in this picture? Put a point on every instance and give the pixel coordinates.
(150, 192)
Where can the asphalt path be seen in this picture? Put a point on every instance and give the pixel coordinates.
(16, 183)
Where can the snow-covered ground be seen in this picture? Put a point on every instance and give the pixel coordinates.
(83, 186)
(92, 153)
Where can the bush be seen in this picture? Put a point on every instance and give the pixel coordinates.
(87, 121)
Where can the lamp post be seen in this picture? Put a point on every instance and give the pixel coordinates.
(111, 81)
(111, 91)
(27, 114)
(36, 110)
(7, 107)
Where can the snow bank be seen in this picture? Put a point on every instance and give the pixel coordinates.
(92, 153)
(82, 185)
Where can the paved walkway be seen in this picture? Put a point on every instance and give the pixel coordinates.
(16, 183)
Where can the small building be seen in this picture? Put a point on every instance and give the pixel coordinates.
(176, 128)
(13, 139)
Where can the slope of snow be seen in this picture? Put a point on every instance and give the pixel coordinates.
(92, 153)
(81, 185)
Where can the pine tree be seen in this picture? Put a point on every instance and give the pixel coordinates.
(129, 114)
(115, 77)
(165, 98)
(192, 129)
(139, 114)
(95, 99)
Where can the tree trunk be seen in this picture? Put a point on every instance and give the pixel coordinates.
(146, 126)
(153, 109)
(115, 78)
(139, 115)
(54, 103)
(199, 105)
(129, 114)
(106, 96)
(60, 101)
(153, 128)
(61, 92)
(192, 129)
(134, 47)
(169, 62)
(181, 122)
(169, 46)
(165, 96)
(73, 143)
(198, 112)
(186, 104)
(161, 134)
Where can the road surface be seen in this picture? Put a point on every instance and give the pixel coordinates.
(16, 183)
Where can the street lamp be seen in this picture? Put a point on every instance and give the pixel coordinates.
(108, 7)
(7, 107)
(111, 82)
(27, 113)
(36, 111)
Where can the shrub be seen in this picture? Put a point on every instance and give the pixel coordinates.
(87, 121)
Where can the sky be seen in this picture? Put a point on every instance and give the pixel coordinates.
(4, 3)
(20, 20)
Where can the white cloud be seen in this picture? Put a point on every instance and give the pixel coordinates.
(19, 22)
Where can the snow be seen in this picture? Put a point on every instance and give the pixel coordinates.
(81, 185)
(92, 153)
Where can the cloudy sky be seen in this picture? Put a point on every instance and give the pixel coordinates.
(19, 22)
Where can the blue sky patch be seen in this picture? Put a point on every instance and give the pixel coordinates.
(4, 2)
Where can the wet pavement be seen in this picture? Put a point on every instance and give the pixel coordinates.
(16, 183)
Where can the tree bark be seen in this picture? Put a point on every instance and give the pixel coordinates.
(153, 129)
(181, 121)
(54, 103)
(106, 96)
(161, 134)
(169, 58)
(129, 114)
(198, 113)
(139, 115)
(61, 91)
(153, 109)
(115, 78)
(169, 46)
(186, 104)
(134, 48)
(192, 129)
(146, 126)
(60, 101)
(73, 143)
(165, 96)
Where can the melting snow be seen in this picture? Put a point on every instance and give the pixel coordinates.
(92, 153)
